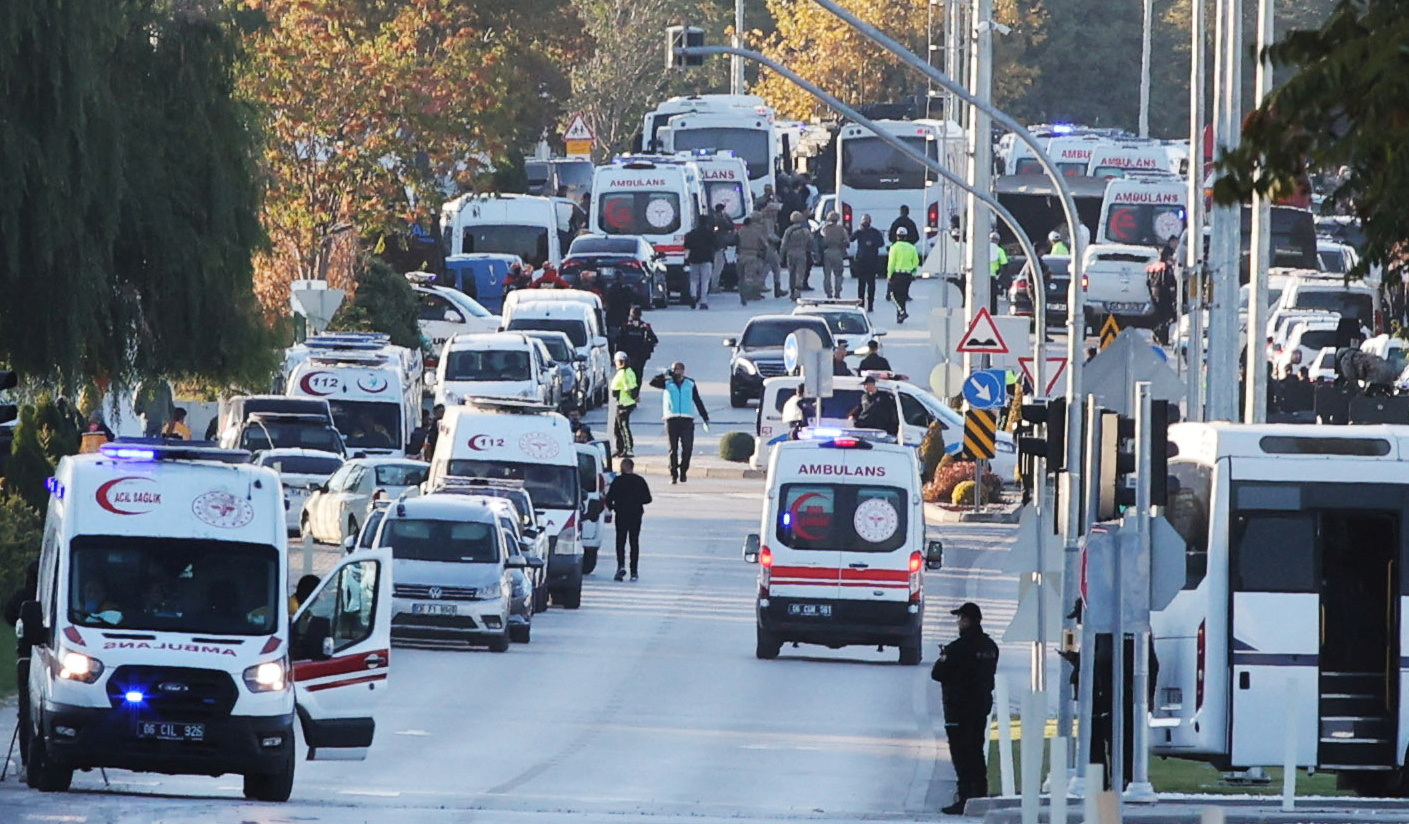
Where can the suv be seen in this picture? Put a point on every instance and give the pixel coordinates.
(1116, 284)
(451, 565)
(758, 352)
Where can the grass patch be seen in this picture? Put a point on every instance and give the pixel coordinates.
(1176, 775)
(7, 664)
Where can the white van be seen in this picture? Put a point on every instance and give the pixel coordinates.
(1143, 210)
(537, 229)
(841, 546)
(656, 197)
(502, 365)
(917, 410)
(159, 628)
(373, 388)
(520, 441)
(581, 319)
(1116, 160)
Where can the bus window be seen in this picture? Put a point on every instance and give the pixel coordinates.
(1274, 552)
(1190, 495)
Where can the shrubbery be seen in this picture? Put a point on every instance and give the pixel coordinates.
(952, 473)
(736, 447)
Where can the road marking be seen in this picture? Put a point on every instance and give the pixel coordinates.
(411, 732)
(372, 793)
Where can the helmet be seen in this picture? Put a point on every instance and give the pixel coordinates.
(993, 236)
(621, 357)
(902, 231)
(1054, 236)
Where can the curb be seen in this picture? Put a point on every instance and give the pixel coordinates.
(650, 466)
(992, 514)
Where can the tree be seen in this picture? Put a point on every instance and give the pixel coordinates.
(30, 464)
(1343, 108)
(384, 302)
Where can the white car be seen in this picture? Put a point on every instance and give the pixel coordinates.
(300, 471)
(1304, 341)
(503, 365)
(338, 508)
(847, 320)
(445, 313)
(1323, 366)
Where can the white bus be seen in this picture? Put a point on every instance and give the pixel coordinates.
(1295, 547)
(749, 136)
(659, 117)
(874, 178)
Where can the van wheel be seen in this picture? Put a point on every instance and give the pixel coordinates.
(911, 650)
(768, 646)
(499, 643)
(275, 786)
(589, 559)
(42, 774)
(521, 633)
(568, 598)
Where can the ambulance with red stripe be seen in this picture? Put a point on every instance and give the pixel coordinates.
(656, 197)
(841, 549)
(161, 636)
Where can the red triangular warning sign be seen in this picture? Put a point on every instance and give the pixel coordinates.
(982, 337)
(1053, 370)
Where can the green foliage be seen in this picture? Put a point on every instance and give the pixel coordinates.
(736, 447)
(384, 302)
(964, 493)
(21, 529)
(931, 450)
(1344, 107)
(130, 215)
(29, 464)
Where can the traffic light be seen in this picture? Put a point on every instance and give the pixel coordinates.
(681, 37)
(1051, 445)
(8, 412)
(1116, 487)
(1162, 414)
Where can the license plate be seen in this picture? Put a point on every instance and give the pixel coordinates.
(1128, 307)
(432, 609)
(1057, 307)
(810, 610)
(170, 731)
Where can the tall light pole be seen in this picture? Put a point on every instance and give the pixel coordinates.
(978, 285)
(1194, 245)
(736, 63)
(1149, 13)
(1255, 403)
(1226, 228)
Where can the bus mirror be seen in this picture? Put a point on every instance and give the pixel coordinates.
(934, 555)
(751, 543)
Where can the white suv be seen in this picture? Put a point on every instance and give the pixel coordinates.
(1116, 283)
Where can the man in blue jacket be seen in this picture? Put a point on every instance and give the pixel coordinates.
(680, 405)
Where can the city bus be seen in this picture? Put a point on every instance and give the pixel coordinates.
(874, 178)
(1293, 603)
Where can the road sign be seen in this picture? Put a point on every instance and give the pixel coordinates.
(1110, 375)
(1051, 373)
(1109, 331)
(315, 301)
(578, 136)
(980, 428)
(982, 337)
(985, 390)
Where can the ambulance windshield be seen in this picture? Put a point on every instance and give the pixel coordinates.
(841, 517)
(174, 585)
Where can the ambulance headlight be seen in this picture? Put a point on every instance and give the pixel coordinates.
(75, 666)
(270, 676)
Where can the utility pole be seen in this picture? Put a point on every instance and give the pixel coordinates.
(953, 56)
(1255, 405)
(1149, 9)
(1194, 243)
(736, 63)
(1225, 254)
(977, 222)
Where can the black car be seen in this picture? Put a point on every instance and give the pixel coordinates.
(620, 257)
(1057, 278)
(758, 352)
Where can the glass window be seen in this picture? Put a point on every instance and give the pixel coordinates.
(493, 365)
(639, 213)
(1144, 225)
(871, 163)
(841, 517)
(587, 472)
(576, 330)
(302, 464)
(1358, 305)
(434, 307)
(174, 585)
(339, 479)
(401, 474)
(751, 145)
(416, 539)
(558, 348)
(913, 411)
(345, 609)
(773, 333)
(368, 425)
(369, 529)
(603, 246)
(551, 486)
(290, 434)
(528, 242)
(730, 195)
(1274, 553)
(1190, 492)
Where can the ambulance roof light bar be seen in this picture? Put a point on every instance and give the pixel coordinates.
(843, 438)
(157, 449)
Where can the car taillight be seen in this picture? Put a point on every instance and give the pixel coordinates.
(917, 566)
(1201, 658)
(1020, 284)
(570, 262)
(846, 216)
(932, 217)
(765, 574)
(1085, 282)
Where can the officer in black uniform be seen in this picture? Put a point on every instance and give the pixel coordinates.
(965, 672)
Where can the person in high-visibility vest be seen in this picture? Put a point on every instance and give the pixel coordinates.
(1058, 247)
(901, 264)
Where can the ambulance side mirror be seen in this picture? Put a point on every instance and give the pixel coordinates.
(30, 627)
(934, 555)
(751, 543)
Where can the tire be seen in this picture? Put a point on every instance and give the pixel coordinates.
(540, 600)
(589, 559)
(569, 598)
(499, 643)
(351, 529)
(768, 646)
(42, 774)
(521, 633)
(737, 401)
(911, 652)
(275, 786)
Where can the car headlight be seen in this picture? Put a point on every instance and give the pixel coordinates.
(75, 666)
(746, 366)
(270, 676)
(490, 592)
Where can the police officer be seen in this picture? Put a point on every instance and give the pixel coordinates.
(965, 672)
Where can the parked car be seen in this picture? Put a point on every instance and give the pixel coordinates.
(503, 364)
(1056, 277)
(570, 366)
(758, 352)
(619, 257)
(532, 535)
(847, 319)
(445, 313)
(300, 472)
(335, 510)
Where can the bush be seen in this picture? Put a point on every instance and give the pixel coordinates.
(951, 474)
(20, 531)
(736, 447)
(932, 450)
(964, 494)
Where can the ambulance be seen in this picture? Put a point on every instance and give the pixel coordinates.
(841, 548)
(1072, 153)
(516, 440)
(374, 388)
(657, 197)
(1143, 209)
(161, 634)
(1116, 160)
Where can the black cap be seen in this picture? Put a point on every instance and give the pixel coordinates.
(868, 379)
(969, 610)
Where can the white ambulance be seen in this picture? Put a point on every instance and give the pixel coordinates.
(161, 634)
(1116, 160)
(373, 387)
(841, 548)
(516, 440)
(1143, 209)
(653, 196)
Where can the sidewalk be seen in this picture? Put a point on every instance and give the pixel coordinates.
(1178, 809)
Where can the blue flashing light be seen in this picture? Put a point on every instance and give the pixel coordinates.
(134, 697)
(787, 519)
(54, 487)
(128, 453)
(1062, 128)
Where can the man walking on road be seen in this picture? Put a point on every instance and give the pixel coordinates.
(900, 268)
(867, 262)
(680, 403)
(625, 390)
(965, 671)
(834, 243)
(627, 497)
(700, 247)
